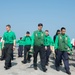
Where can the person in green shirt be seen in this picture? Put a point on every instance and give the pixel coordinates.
(38, 46)
(62, 45)
(48, 44)
(9, 39)
(20, 48)
(27, 45)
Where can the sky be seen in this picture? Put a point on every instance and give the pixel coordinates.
(24, 15)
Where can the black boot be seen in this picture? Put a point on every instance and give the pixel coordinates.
(24, 62)
(35, 67)
(68, 72)
(57, 69)
(6, 67)
(44, 69)
(1, 59)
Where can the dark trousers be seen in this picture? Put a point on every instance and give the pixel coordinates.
(62, 55)
(26, 53)
(48, 52)
(3, 56)
(20, 50)
(41, 51)
(9, 51)
(56, 54)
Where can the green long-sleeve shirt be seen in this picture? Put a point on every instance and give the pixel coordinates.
(9, 37)
(62, 42)
(27, 40)
(20, 42)
(48, 41)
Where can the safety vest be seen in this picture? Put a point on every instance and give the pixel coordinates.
(39, 38)
(63, 42)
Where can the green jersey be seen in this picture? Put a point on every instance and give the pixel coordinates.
(38, 38)
(48, 41)
(27, 40)
(63, 43)
(20, 42)
(9, 37)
